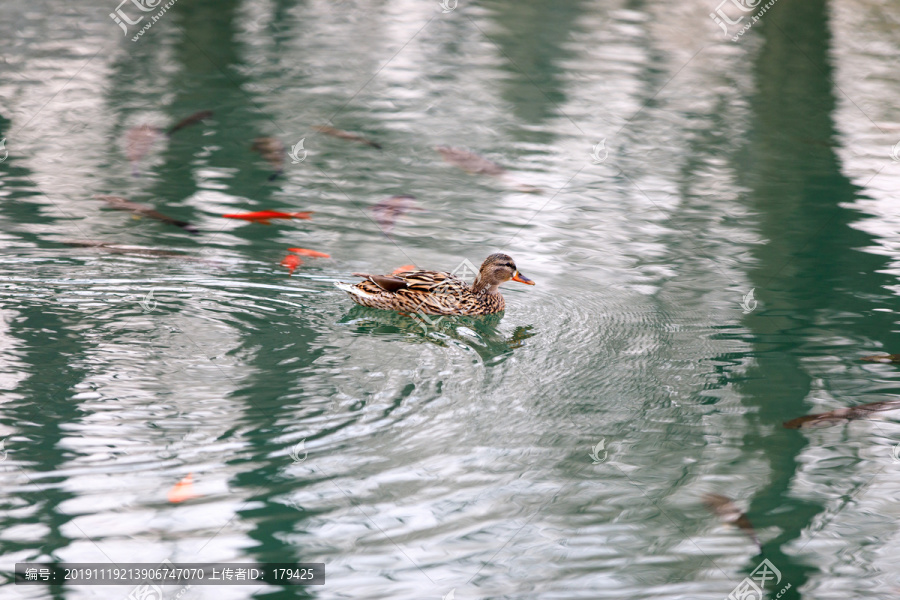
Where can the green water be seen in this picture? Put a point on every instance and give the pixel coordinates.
(454, 457)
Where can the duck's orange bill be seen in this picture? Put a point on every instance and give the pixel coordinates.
(183, 490)
(305, 252)
(522, 279)
(403, 269)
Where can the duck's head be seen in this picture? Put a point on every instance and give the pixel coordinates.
(496, 269)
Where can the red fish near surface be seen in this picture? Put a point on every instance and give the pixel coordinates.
(263, 216)
(291, 262)
(183, 490)
(305, 252)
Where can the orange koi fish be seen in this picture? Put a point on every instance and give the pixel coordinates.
(263, 216)
(183, 490)
(312, 253)
(291, 262)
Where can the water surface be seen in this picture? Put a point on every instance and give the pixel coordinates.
(455, 457)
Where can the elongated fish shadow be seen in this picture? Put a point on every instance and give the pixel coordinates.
(388, 211)
(119, 203)
(272, 150)
(842, 415)
(728, 512)
(139, 140)
(345, 135)
(882, 358)
(475, 164)
(142, 251)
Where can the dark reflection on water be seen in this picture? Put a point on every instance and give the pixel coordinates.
(811, 265)
(480, 334)
(534, 83)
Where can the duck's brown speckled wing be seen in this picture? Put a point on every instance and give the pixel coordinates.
(436, 293)
(388, 283)
(426, 292)
(422, 282)
(434, 282)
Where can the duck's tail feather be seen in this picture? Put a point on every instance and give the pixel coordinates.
(352, 289)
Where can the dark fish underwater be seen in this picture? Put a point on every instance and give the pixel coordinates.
(119, 203)
(725, 508)
(842, 415)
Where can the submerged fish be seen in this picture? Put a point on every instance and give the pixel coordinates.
(194, 118)
(272, 150)
(345, 135)
(291, 262)
(121, 249)
(139, 140)
(390, 209)
(183, 490)
(724, 508)
(263, 216)
(305, 252)
(478, 165)
(120, 203)
(883, 358)
(470, 162)
(841, 415)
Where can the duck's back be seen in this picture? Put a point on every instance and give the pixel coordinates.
(426, 292)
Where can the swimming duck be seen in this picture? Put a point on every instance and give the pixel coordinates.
(438, 293)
